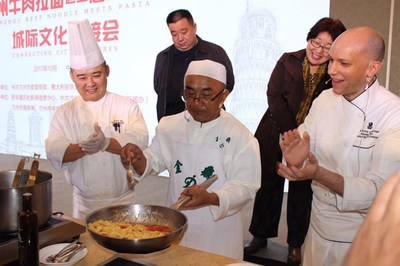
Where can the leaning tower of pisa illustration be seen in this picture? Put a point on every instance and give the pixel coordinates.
(255, 54)
(10, 144)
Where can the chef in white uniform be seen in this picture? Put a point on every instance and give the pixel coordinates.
(349, 144)
(195, 144)
(87, 133)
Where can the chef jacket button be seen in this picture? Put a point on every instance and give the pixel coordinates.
(104, 164)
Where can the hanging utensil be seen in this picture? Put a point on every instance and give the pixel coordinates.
(183, 200)
(34, 170)
(18, 172)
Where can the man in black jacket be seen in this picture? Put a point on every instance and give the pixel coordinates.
(171, 63)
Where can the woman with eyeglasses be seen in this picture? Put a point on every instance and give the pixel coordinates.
(297, 79)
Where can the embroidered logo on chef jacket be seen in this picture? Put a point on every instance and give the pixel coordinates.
(177, 167)
(192, 180)
(117, 125)
(222, 144)
(367, 137)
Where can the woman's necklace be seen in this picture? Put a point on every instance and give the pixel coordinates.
(314, 72)
(313, 78)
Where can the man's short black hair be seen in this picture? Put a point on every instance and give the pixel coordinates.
(179, 14)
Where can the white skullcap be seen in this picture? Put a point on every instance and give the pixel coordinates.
(207, 68)
(83, 47)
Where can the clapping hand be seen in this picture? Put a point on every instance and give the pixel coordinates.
(294, 148)
(301, 163)
(96, 141)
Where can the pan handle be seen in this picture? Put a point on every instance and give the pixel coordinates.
(34, 170)
(183, 200)
(18, 172)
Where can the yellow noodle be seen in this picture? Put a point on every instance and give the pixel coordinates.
(130, 230)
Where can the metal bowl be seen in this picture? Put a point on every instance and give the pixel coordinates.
(138, 213)
(11, 198)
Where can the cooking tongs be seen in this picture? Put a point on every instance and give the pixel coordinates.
(34, 170)
(183, 200)
(18, 172)
(66, 254)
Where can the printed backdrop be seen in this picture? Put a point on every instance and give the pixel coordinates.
(34, 54)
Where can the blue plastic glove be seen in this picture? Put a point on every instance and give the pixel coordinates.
(96, 141)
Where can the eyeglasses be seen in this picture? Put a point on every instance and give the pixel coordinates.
(318, 45)
(188, 96)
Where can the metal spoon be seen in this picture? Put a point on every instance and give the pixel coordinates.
(130, 177)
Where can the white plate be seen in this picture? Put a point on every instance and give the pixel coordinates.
(54, 249)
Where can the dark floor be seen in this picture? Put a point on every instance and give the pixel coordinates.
(273, 255)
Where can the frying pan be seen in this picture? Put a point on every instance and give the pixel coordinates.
(143, 214)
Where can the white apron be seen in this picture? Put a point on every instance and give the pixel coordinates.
(190, 166)
(83, 206)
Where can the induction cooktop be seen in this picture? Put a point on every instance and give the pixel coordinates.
(56, 230)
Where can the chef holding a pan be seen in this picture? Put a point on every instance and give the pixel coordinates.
(87, 133)
(202, 141)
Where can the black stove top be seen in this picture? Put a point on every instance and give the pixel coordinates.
(56, 230)
(51, 222)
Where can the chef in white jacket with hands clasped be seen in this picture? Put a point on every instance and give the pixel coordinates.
(87, 133)
(195, 144)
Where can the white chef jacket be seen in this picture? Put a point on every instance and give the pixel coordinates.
(239, 157)
(359, 140)
(98, 178)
